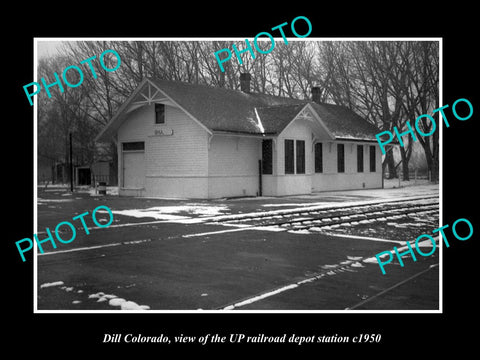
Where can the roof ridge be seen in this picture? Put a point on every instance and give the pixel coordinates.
(300, 103)
(221, 88)
(221, 109)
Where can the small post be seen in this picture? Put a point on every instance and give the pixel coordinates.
(71, 165)
(259, 177)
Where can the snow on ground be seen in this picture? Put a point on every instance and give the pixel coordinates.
(113, 300)
(111, 190)
(356, 195)
(172, 212)
(41, 201)
(56, 283)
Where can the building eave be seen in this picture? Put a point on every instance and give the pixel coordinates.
(243, 133)
(105, 134)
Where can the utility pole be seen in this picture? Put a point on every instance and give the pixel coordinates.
(71, 165)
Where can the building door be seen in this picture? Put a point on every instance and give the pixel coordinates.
(83, 176)
(133, 165)
(266, 168)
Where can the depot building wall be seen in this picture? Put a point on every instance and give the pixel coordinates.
(312, 179)
(180, 159)
(233, 166)
(296, 183)
(351, 179)
(174, 162)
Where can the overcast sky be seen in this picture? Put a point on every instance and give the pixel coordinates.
(47, 48)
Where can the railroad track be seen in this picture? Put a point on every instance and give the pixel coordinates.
(328, 217)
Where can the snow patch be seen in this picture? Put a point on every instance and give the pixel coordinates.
(180, 212)
(329, 266)
(357, 264)
(129, 305)
(425, 243)
(136, 242)
(96, 296)
(354, 258)
(304, 231)
(116, 302)
(41, 201)
(56, 283)
(273, 228)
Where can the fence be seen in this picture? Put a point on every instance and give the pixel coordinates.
(412, 174)
(101, 178)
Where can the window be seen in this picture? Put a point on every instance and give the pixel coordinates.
(159, 114)
(133, 146)
(318, 157)
(289, 166)
(372, 159)
(340, 158)
(359, 158)
(267, 156)
(300, 156)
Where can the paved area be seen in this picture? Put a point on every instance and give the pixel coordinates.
(164, 255)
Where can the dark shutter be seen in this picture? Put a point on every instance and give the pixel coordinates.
(300, 157)
(289, 167)
(159, 114)
(359, 158)
(340, 158)
(318, 157)
(133, 146)
(267, 156)
(372, 159)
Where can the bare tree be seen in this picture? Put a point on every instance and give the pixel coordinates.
(389, 83)
(421, 96)
(63, 113)
(358, 76)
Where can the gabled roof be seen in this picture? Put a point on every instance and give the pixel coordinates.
(224, 110)
(345, 123)
(276, 117)
(221, 109)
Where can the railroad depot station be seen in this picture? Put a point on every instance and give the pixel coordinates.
(180, 140)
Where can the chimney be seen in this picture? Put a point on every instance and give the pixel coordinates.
(245, 82)
(316, 93)
(221, 81)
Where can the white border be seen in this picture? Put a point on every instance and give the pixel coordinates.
(227, 312)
